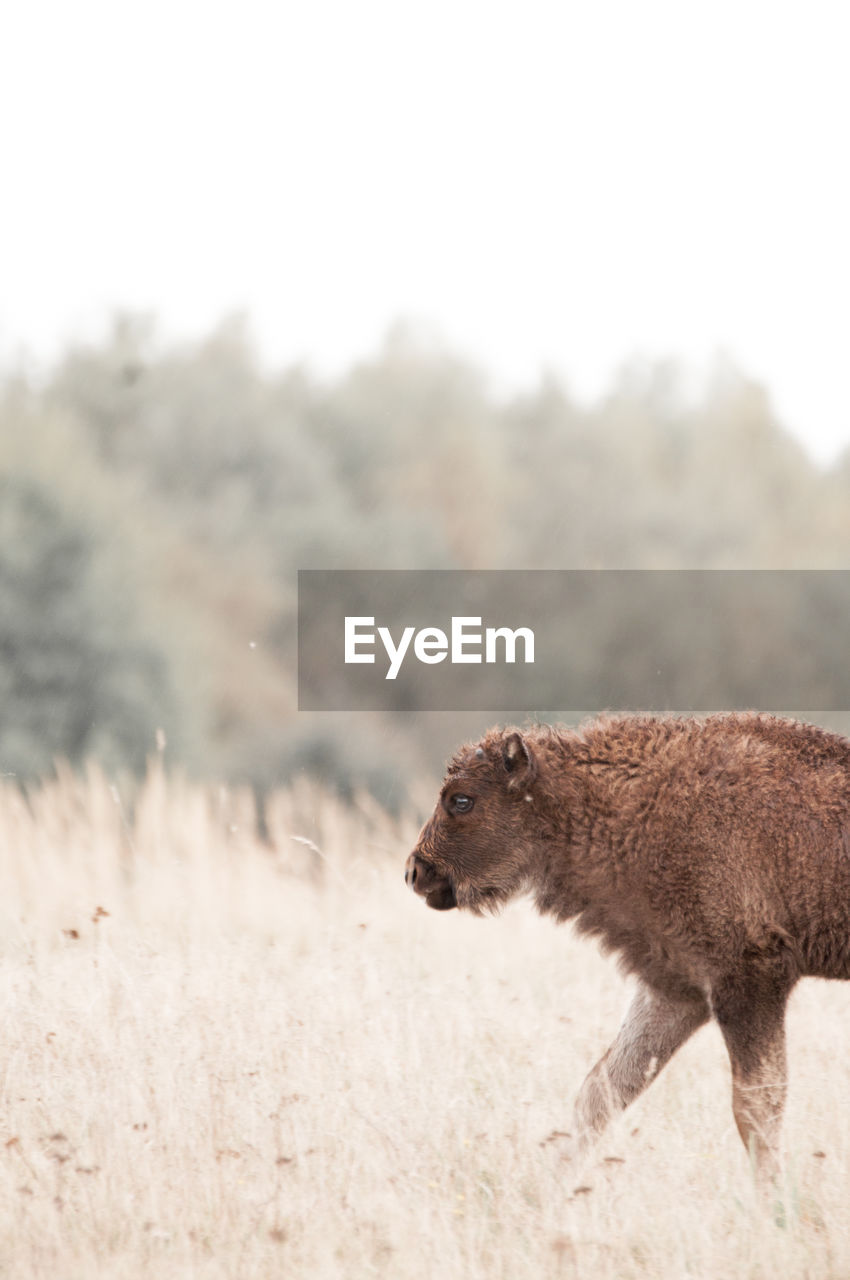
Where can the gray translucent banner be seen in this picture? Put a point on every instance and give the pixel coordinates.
(652, 640)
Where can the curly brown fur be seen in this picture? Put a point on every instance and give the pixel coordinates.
(712, 855)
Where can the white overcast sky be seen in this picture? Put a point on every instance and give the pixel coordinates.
(550, 184)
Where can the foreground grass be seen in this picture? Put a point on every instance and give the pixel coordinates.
(221, 1058)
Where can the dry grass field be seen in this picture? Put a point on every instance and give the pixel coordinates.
(227, 1059)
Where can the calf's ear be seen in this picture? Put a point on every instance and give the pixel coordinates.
(519, 762)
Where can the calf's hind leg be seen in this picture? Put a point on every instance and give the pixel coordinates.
(654, 1027)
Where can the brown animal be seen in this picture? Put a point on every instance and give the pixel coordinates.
(713, 855)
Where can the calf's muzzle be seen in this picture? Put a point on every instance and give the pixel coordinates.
(423, 878)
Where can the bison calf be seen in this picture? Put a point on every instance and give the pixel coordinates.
(713, 855)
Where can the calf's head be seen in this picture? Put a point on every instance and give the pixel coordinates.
(476, 848)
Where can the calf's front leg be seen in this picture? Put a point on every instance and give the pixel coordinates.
(653, 1029)
(750, 1009)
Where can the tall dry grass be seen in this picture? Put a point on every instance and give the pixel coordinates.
(224, 1059)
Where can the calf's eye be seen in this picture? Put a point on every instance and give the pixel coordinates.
(461, 804)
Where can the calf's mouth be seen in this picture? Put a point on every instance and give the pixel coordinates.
(423, 878)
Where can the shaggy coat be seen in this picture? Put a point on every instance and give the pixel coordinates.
(712, 855)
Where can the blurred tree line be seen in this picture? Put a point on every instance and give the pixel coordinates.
(157, 498)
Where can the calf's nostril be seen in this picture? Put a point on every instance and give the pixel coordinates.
(413, 875)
